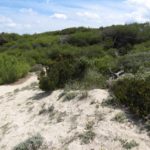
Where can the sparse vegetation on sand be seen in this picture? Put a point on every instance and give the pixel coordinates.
(33, 143)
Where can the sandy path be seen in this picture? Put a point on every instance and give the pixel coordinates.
(25, 112)
(19, 84)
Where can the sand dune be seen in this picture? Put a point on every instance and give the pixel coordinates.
(74, 120)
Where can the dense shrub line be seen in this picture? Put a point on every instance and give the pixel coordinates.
(104, 50)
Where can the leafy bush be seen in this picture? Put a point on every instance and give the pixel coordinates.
(133, 92)
(12, 69)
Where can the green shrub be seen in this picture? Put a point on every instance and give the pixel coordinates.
(60, 72)
(12, 69)
(133, 92)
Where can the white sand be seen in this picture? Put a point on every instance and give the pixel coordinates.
(19, 119)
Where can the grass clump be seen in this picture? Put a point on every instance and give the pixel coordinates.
(70, 96)
(87, 137)
(128, 144)
(33, 143)
(120, 117)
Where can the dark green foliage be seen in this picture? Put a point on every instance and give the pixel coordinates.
(33, 143)
(103, 50)
(133, 91)
(12, 69)
(59, 72)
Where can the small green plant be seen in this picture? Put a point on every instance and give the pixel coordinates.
(87, 137)
(33, 143)
(120, 117)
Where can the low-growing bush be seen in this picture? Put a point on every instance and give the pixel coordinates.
(133, 92)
